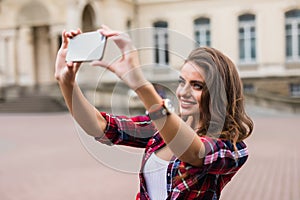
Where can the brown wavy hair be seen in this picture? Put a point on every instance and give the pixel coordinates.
(222, 102)
(222, 110)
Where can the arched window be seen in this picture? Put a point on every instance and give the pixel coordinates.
(88, 19)
(161, 42)
(247, 39)
(292, 35)
(202, 31)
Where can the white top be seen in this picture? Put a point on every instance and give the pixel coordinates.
(155, 174)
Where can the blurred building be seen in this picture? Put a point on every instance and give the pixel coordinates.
(261, 36)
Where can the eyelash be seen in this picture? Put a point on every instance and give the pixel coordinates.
(196, 86)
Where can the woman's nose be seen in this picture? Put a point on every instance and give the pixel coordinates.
(185, 91)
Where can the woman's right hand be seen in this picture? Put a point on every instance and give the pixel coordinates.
(127, 67)
(65, 72)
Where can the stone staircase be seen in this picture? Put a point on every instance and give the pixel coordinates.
(274, 101)
(30, 100)
(32, 104)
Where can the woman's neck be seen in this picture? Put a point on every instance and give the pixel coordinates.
(193, 121)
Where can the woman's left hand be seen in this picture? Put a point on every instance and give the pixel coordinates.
(65, 72)
(128, 66)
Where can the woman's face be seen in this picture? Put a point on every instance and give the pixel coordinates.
(189, 91)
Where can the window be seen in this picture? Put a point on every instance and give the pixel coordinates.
(129, 27)
(248, 88)
(202, 31)
(88, 19)
(128, 24)
(247, 39)
(161, 43)
(295, 89)
(292, 35)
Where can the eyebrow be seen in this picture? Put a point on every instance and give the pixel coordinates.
(193, 81)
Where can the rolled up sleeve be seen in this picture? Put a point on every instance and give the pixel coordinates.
(130, 131)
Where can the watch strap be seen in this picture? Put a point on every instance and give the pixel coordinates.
(160, 112)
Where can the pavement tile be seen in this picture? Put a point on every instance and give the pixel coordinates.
(42, 157)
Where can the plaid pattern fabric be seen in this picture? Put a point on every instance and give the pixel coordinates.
(220, 163)
(122, 130)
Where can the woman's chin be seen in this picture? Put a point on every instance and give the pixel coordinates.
(186, 113)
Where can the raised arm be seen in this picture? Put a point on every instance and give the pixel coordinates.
(180, 137)
(83, 112)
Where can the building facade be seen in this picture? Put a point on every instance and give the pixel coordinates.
(261, 36)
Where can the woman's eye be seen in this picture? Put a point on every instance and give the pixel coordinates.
(197, 86)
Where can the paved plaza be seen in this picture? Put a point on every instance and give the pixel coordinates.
(43, 157)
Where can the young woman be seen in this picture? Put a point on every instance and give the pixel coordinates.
(192, 155)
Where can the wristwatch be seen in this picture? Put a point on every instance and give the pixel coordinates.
(165, 109)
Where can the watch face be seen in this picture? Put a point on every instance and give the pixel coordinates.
(168, 105)
(165, 109)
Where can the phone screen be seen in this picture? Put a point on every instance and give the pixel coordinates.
(86, 47)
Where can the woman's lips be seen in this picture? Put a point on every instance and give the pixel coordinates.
(187, 104)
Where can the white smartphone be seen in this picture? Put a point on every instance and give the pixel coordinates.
(86, 47)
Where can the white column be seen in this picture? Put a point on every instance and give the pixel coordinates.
(7, 58)
(2, 62)
(15, 56)
(42, 56)
(25, 55)
(9, 48)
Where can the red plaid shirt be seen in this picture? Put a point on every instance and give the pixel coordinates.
(206, 182)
